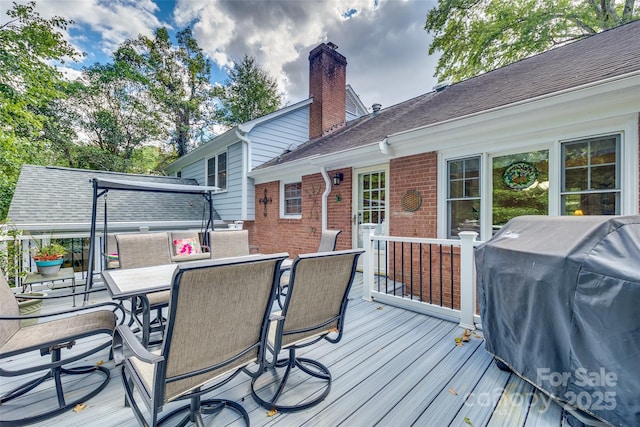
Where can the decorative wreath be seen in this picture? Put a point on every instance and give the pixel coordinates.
(520, 175)
(411, 201)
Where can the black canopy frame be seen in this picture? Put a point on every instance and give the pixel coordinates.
(102, 186)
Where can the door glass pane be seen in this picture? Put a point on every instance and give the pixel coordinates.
(371, 200)
(520, 186)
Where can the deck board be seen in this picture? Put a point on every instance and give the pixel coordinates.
(392, 368)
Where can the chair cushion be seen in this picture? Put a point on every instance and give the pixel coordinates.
(186, 246)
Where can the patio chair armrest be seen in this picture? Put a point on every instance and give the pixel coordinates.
(47, 297)
(116, 307)
(124, 337)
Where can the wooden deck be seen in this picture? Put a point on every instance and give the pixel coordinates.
(392, 368)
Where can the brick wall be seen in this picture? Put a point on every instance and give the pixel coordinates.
(295, 236)
(418, 173)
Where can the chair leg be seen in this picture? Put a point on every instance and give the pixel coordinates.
(56, 374)
(199, 407)
(321, 372)
(130, 401)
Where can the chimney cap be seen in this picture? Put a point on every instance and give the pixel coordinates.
(332, 45)
(376, 108)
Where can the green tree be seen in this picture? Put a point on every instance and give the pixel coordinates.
(476, 36)
(178, 81)
(111, 107)
(249, 92)
(29, 82)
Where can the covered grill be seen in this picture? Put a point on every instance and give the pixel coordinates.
(560, 305)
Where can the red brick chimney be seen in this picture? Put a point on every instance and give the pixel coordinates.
(327, 86)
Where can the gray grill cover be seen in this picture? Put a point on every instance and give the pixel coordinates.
(561, 296)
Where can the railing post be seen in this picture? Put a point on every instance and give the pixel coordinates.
(368, 262)
(467, 287)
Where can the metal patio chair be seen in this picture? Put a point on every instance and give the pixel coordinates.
(313, 311)
(146, 250)
(55, 338)
(225, 244)
(217, 325)
(328, 242)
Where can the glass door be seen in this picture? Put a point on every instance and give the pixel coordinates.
(369, 202)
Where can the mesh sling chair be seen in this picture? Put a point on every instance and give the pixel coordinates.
(313, 311)
(226, 244)
(328, 242)
(145, 250)
(55, 338)
(217, 326)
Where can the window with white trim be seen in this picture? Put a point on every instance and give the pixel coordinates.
(591, 176)
(217, 171)
(292, 199)
(463, 195)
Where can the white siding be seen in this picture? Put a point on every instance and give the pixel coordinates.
(229, 204)
(195, 171)
(272, 138)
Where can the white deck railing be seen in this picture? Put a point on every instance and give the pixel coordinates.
(380, 263)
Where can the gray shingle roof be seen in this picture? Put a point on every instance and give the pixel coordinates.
(53, 195)
(611, 53)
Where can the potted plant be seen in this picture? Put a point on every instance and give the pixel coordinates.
(48, 258)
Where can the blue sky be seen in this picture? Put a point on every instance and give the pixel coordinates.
(383, 40)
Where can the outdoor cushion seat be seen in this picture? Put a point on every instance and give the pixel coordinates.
(208, 341)
(313, 310)
(56, 338)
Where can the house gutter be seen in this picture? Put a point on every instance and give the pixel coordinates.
(325, 196)
(246, 164)
(385, 147)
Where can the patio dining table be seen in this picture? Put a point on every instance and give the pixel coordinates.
(132, 282)
(128, 284)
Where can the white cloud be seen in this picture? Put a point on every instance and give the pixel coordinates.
(384, 42)
(113, 21)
